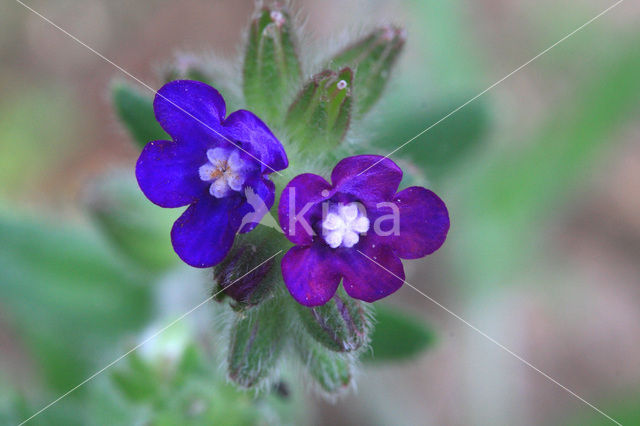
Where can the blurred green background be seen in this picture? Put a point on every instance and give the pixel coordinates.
(541, 176)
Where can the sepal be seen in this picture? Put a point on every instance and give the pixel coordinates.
(342, 324)
(271, 64)
(331, 371)
(372, 57)
(320, 116)
(256, 342)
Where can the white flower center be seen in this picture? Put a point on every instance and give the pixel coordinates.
(225, 171)
(343, 225)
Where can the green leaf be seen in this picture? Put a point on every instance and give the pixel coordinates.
(256, 342)
(439, 150)
(271, 64)
(341, 324)
(372, 58)
(397, 336)
(319, 117)
(135, 110)
(67, 297)
(134, 225)
(332, 371)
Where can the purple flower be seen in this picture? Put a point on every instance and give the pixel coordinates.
(213, 165)
(356, 229)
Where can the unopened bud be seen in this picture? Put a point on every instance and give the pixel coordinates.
(255, 346)
(243, 275)
(372, 58)
(271, 64)
(341, 324)
(320, 115)
(332, 371)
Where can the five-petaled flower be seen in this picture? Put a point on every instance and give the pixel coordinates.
(211, 165)
(356, 229)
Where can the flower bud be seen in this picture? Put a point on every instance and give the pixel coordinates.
(372, 57)
(246, 288)
(320, 116)
(330, 370)
(341, 324)
(271, 64)
(243, 275)
(255, 344)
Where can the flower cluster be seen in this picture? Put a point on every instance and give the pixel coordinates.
(354, 229)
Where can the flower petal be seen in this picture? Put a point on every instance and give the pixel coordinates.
(368, 178)
(204, 233)
(370, 273)
(424, 223)
(168, 173)
(190, 111)
(249, 132)
(300, 206)
(310, 274)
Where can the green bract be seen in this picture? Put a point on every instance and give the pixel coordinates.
(271, 65)
(319, 117)
(372, 57)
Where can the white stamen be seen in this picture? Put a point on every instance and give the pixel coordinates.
(224, 170)
(344, 224)
(341, 85)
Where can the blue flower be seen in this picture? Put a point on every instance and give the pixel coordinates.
(355, 230)
(213, 164)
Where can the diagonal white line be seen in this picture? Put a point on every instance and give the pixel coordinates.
(494, 84)
(153, 336)
(144, 84)
(491, 339)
